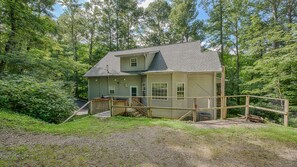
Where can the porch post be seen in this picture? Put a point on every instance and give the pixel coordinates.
(247, 106)
(223, 102)
(286, 114)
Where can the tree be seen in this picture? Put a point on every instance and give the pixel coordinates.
(156, 23)
(184, 23)
(71, 12)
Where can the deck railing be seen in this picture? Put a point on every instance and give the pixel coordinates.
(211, 105)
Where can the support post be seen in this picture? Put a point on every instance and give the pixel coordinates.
(111, 106)
(223, 102)
(247, 107)
(286, 114)
(150, 113)
(91, 108)
(208, 102)
(195, 105)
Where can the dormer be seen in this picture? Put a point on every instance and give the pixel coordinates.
(136, 61)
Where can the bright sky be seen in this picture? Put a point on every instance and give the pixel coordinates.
(58, 9)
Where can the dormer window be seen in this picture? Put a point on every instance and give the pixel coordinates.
(133, 62)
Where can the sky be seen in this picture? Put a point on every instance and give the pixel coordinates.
(58, 9)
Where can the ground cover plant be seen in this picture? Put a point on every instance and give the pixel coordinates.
(124, 141)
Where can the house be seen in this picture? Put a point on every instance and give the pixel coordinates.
(169, 73)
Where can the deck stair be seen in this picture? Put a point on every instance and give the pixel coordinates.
(141, 111)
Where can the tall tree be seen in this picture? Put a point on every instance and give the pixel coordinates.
(184, 22)
(156, 23)
(72, 10)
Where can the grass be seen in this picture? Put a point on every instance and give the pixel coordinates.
(236, 142)
(91, 126)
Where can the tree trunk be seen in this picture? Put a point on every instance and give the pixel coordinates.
(221, 32)
(117, 24)
(11, 43)
(74, 49)
(237, 61)
(91, 44)
(275, 5)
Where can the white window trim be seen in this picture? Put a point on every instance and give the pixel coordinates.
(159, 96)
(131, 61)
(180, 91)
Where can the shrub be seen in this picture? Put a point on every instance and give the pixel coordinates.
(44, 100)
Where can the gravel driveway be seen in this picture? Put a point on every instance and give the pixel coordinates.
(143, 146)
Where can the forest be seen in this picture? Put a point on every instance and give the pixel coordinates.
(43, 58)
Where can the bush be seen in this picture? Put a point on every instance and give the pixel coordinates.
(43, 100)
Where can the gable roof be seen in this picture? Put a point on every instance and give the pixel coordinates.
(182, 57)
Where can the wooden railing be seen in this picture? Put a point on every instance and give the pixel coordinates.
(210, 100)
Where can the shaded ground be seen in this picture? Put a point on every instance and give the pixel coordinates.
(144, 146)
(228, 123)
(79, 104)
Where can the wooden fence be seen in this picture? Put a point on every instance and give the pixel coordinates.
(118, 107)
(223, 108)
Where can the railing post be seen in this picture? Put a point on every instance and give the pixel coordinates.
(286, 114)
(247, 107)
(223, 107)
(208, 102)
(195, 105)
(91, 108)
(111, 106)
(150, 113)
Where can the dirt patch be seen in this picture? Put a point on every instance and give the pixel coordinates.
(228, 123)
(144, 146)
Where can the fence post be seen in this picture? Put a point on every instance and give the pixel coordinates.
(91, 108)
(223, 107)
(286, 114)
(247, 106)
(150, 113)
(208, 102)
(111, 106)
(223, 93)
(195, 105)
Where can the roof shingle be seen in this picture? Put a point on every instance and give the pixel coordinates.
(182, 57)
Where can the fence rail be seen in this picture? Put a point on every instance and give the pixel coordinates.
(115, 105)
(224, 107)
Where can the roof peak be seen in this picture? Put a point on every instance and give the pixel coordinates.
(197, 41)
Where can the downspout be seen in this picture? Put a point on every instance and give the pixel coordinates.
(215, 95)
(172, 89)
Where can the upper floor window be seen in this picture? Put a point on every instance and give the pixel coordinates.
(133, 62)
(111, 89)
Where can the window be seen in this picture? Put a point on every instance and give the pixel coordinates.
(159, 90)
(180, 91)
(133, 62)
(143, 89)
(111, 89)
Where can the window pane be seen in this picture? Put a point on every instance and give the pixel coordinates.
(159, 90)
(180, 91)
(133, 62)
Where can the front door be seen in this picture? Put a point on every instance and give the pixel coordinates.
(133, 91)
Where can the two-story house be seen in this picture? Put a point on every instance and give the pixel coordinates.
(169, 74)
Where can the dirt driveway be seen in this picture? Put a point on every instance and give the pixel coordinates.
(144, 146)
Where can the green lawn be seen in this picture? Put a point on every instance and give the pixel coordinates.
(91, 126)
(85, 141)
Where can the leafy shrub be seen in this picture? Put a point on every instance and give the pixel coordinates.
(43, 100)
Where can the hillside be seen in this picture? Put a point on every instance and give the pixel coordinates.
(121, 141)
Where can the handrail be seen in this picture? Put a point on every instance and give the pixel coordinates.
(223, 107)
(76, 112)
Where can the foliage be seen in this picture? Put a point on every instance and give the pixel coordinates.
(44, 100)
